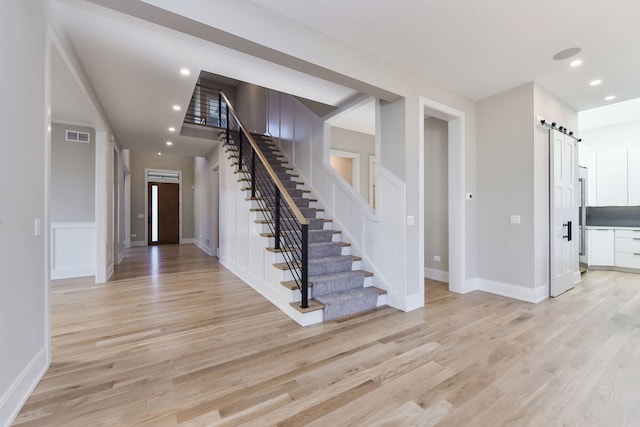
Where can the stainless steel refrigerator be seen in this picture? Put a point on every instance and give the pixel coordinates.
(582, 214)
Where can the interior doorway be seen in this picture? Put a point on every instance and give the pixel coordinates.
(456, 191)
(163, 216)
(436, 200)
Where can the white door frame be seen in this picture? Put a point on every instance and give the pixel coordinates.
(457, 217)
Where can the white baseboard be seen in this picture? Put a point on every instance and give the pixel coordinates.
(533, 295)
(204, 248)
(69, 273)
(188, 241)
(439, 275)
(135, 243)
(120, 257)
(110, 270)
(14, 399)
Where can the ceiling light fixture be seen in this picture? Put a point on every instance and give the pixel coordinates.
(176, 108)
(595, 82)
(172, 129)
(185, 71)
(169, 143)
(575, 63)
(610, 98)
(159, 154)
(567, 53)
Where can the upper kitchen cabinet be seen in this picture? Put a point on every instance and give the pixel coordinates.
(611, 178)
(633, 174)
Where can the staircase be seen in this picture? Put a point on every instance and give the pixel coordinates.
(337, 286)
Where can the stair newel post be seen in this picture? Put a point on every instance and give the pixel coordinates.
(305, 266)
(277, 225)
(239, 148)
(253, 173)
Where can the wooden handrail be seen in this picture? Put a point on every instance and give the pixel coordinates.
(283, 190)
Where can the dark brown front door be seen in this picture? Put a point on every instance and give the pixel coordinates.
(164, 213)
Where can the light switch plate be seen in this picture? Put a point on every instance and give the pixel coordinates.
(515, 219)
(411, 220)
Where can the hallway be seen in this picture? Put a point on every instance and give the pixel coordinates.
(176, 339)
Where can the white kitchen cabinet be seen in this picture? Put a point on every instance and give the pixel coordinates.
(633, 174)
(592, 178)
(627, 245)
(611, 179)
(601, 250)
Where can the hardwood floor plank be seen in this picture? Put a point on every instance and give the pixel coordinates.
(176, 339)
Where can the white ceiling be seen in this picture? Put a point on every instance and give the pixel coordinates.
(476, 48)
(361, 118)
(480, 48)
(133, 66)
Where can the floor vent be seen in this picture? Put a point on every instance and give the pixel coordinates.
(76, 136)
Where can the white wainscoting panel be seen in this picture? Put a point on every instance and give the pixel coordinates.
(73, 249)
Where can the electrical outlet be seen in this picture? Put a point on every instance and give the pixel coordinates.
(436, 257)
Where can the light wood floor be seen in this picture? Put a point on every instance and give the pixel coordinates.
(176, 339)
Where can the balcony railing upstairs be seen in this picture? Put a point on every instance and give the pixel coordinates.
(207, 108)
(288, 226)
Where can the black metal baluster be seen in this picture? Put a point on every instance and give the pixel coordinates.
(219, 110)
(277, 233)
(305, 272)
(240, 149)
(253, 173)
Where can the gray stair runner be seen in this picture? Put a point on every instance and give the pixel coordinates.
(334, 284)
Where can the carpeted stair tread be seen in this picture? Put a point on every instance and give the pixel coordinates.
(336, 282)
(324, 249)
(342, 304)
(330, 264)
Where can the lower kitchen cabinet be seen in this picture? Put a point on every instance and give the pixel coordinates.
(601, 250)
(627, 248)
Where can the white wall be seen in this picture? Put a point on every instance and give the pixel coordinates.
(203, 202)
(251, 106)
(73, 175)
(24, 340)
(505, 172)
(618, 136)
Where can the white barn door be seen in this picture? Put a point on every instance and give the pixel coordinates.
(563, 216)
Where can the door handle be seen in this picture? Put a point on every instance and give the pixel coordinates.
(568, 235)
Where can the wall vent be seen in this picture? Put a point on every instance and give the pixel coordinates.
(76, 136)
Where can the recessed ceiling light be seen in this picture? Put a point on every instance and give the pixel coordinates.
(610, 98)
(567, 53)
(176, 108)
(172, 129)
(576, 63)
(169, 143)
(185, 71)
(595, 82)
(159, 154)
